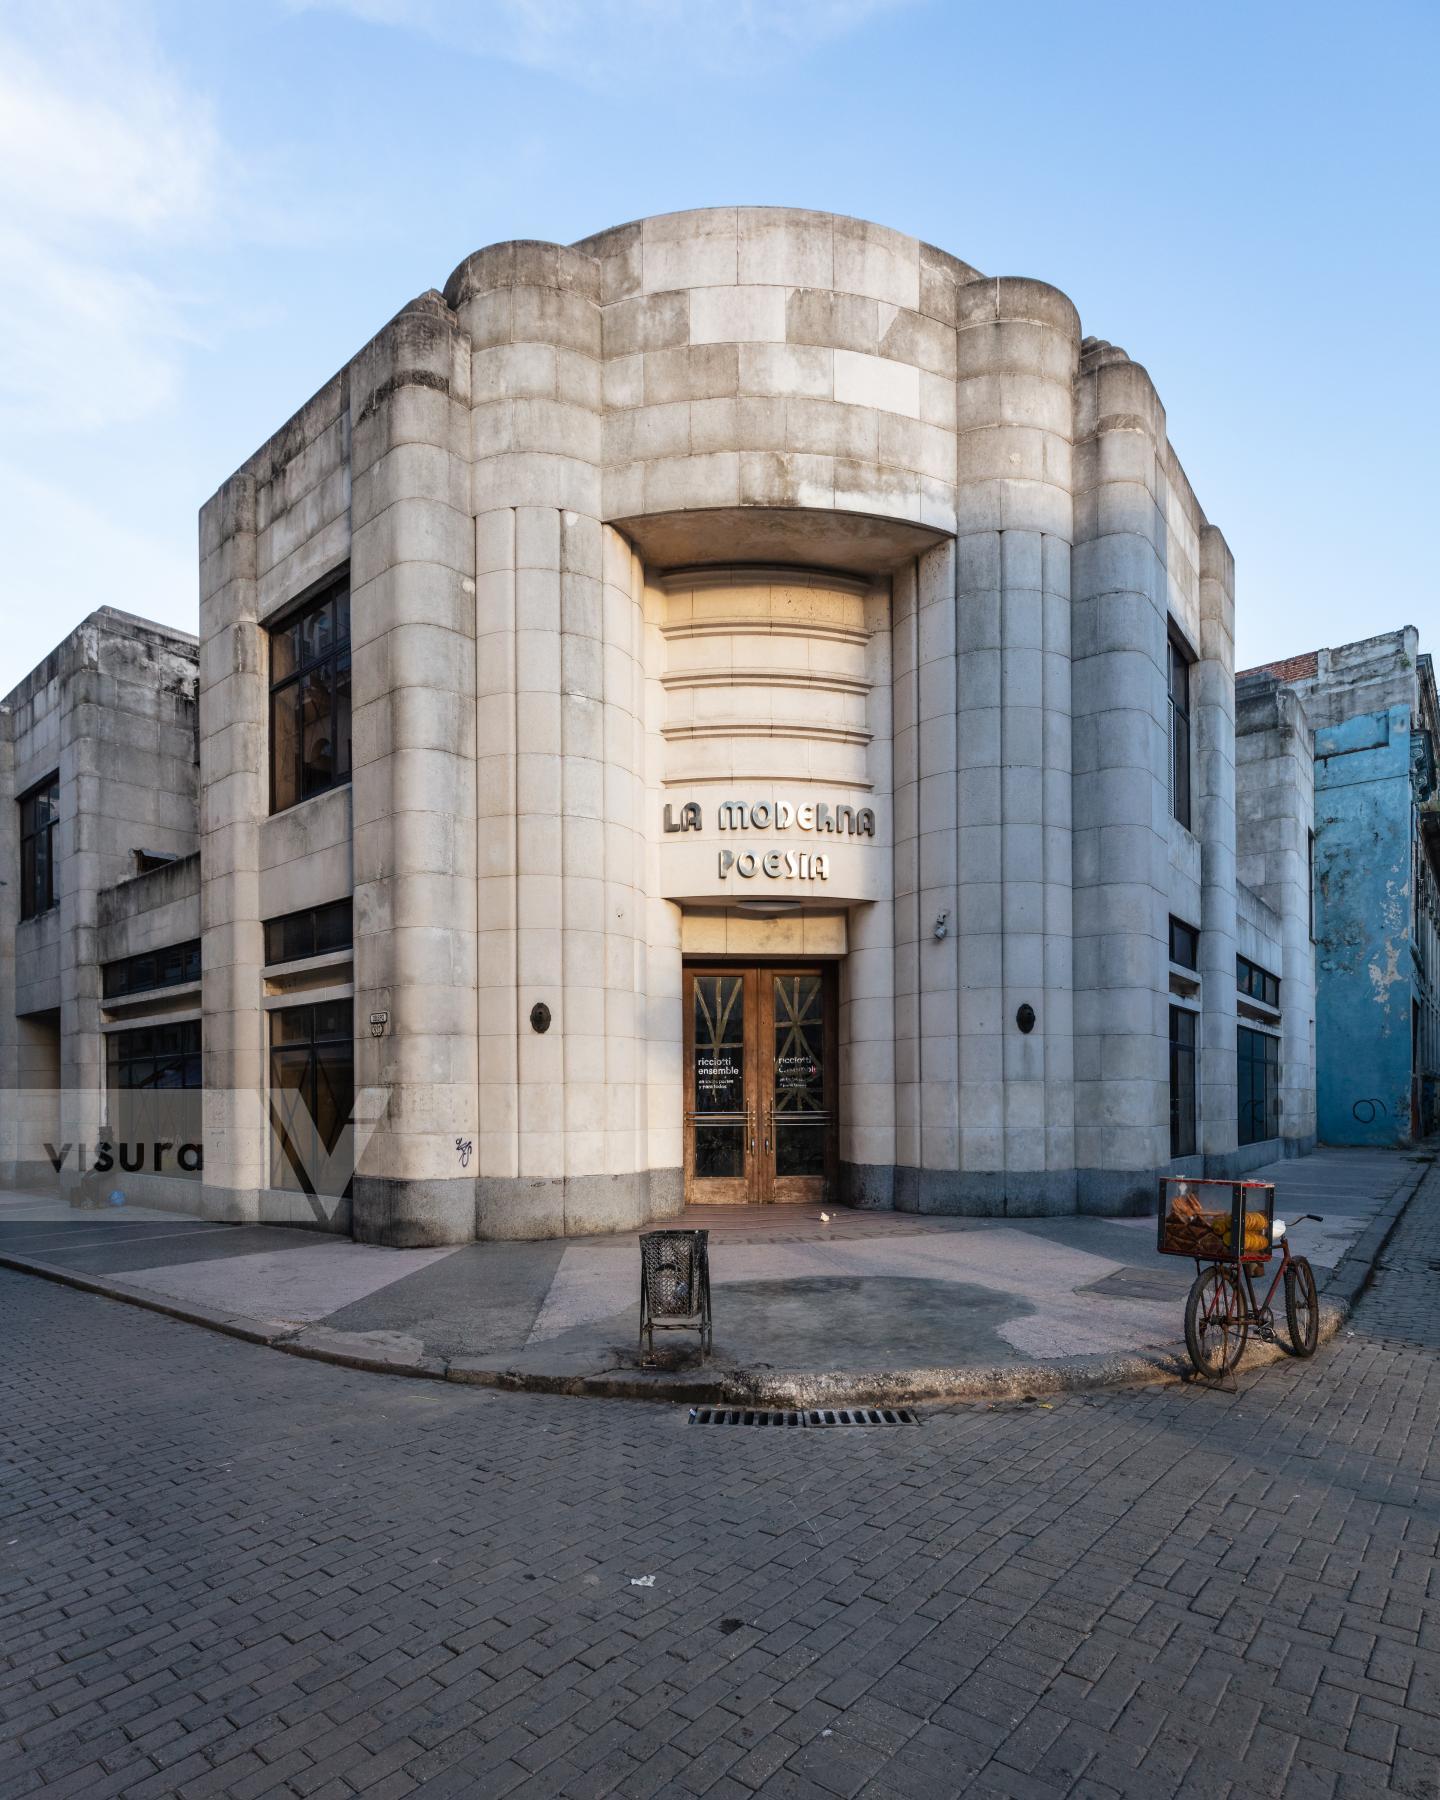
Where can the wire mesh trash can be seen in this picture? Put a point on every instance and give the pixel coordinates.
(674, 1285)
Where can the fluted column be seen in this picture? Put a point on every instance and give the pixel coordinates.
(412, 632)
(234, 785)
(1121, 788)
(1213, 702)
(1017, 357)
(560, 715)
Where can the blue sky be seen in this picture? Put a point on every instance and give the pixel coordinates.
(206, 208)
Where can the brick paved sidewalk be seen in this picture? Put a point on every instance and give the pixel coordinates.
(224, 1572)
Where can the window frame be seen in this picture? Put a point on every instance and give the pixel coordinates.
(1178, 657)
(173, 1123)
(31, 906)
(124, 976)
(280, 1157)
(1246, 1063)
(1179, 1053)
(312, 915)
(1180, 962)
(1256, 983)
(325, 662)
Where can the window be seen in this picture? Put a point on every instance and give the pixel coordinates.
(309, 933)
(1257, 1073)
(1184, 944)
(1179, 733)
(39, 809)
(312, 1090)
(154, 969)
(1256, 983)
(310, 700)
(154, 1076)
(1310, 878)
(1182, 1082)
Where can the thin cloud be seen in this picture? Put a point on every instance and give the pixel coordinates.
(106, 160)
(65, 556)
(594, 42)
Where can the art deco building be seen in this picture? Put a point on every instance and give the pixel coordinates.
(739, 708)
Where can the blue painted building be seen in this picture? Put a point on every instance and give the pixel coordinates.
(1375, 887)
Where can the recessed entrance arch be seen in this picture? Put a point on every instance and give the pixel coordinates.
(761, 1083)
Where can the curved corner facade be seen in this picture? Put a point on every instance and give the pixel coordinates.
(791, 702)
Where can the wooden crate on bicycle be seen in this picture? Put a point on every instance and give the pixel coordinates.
(1208, 1219)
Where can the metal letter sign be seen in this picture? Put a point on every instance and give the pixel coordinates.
(776, 815)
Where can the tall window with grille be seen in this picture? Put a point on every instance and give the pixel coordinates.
(310, 699)
(1182, 1081)
(39, 812)
(154, 1079)
(1179, 732)
(1257, 1071)
(312, 1092)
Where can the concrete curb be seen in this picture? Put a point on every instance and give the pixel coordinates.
(1356, 1269)
(748, 1387)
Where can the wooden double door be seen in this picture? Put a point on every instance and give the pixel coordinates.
(760, 1083)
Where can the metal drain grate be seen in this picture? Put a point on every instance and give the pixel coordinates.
(815, 1418)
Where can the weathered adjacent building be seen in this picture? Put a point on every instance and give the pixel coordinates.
(738, 708)
(1371, 709)
(99, 766)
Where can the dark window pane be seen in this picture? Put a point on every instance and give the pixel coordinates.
(310, 700)
(799, 1045)
(333, 1020)
(309, 933)
(334, 1092)
(151, 969)
(800, 1146)
(1182, 1082)
(719, 1152)
(297, 936)
(292, 1124)
(719, 1045)
(292, 1024)
(312, 1091)
(334, 926)
(317, 740)
(341, 718)
(316, 634)
(1184, 944)
(42, 870)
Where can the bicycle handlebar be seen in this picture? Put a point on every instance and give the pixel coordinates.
(1319, 1218)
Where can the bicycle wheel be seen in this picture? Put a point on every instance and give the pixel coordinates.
(1216, 1324)
(1302, 1307)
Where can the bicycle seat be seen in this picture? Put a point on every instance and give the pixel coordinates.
(1277, 1230)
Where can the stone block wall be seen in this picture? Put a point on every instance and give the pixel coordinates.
(112, 711)
(517, 475)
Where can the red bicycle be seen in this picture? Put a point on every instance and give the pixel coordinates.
(1221, 1307)
(1230, 1248)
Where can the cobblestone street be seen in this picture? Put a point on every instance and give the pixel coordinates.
(229, 1572)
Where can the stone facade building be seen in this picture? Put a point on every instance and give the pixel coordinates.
(738, 708)
(99, 761)
(1370, 709)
